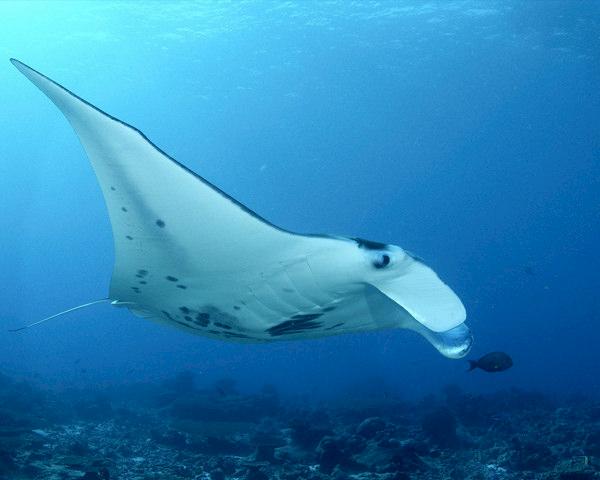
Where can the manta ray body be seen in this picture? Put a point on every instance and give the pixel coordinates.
(190, 256)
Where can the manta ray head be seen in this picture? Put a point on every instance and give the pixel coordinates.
(423, 302)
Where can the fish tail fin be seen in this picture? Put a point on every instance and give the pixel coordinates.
(472, 365)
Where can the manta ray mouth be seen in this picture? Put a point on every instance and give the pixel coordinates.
(453, 343)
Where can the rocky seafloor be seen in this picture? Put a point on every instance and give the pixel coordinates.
(176, 430)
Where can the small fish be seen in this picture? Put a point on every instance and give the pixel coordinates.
(492, 362)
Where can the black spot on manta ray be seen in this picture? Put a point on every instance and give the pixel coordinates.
(202, 319)
(113, 188)
(369, 245)
(183, 324)
(123, 209)
(222, 325)
(188, 318)
(334, 326)
(142, 282)
(128, 237)
(297, 324)
(236, 307)
(171, 278)
(235, 335)
(185, 310)
(216, 315)
(160, 223)
(136, 289)
(179, 322)
(306, 316)
(183, 287)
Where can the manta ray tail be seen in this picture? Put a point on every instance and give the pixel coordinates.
(78, 307)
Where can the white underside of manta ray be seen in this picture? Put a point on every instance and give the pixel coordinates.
(190, 256)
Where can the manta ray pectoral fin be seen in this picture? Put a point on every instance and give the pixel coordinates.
(174, 232)
(425, 297)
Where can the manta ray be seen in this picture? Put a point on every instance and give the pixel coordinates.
(190, 256)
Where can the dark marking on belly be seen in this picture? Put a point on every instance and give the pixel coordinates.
(170, 278)
(183, 287)
(202, 319)
(222, 325)
(136, 289)
(306, 316)
(160, 223)
(235, 335)
(179, 322)
(188, 318)
(334, 326)
(123, 209)
(187, 325)
(141, 273)
(236, 307)
(128, 237)
(297, 324)
(113, 188)
(142, 282)
(185, 310)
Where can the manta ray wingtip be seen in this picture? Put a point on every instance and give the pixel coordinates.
(19, 65)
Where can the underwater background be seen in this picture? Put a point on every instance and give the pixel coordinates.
(467, 132)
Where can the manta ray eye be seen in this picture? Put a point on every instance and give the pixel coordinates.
(381, 260)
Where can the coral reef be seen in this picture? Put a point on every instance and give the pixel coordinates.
(176, 430)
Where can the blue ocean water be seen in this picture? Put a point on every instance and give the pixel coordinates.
(464, 131)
